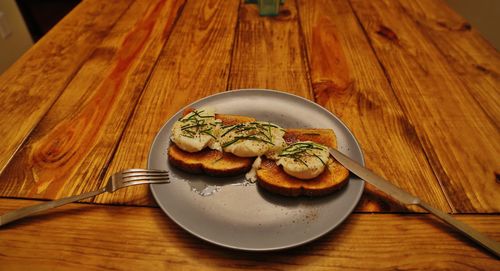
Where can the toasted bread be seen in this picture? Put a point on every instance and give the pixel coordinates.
(274, 179)
(212, 162)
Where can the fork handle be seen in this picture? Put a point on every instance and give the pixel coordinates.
(30, 210)
(480, 238)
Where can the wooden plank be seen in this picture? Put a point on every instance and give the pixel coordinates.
(472, 57)
(268, 52)
(194, 63)
(72, 144)
(348, 80)
(31, 85)
(459, 138)
(93, 237)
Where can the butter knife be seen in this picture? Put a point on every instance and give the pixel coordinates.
(409, 199)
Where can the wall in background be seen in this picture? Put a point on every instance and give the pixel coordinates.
(19, 40)
(484, 15)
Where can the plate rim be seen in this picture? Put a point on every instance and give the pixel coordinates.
(278, 92)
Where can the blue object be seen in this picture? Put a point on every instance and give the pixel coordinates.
(269, 7)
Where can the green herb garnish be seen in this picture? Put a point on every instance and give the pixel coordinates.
(298, 151)
(251, 131)
(238, 138)
(195, 123)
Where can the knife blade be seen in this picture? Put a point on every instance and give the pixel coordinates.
(409, 199)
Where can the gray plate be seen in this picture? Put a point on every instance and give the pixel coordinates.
(232, 213)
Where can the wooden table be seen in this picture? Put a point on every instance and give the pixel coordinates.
(415, 83)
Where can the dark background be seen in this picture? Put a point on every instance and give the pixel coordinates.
(41, 15)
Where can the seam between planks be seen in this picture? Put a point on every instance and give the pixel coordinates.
(235, 42)
(304, 55)
(56, 98)
(388, 78)
(105, 168)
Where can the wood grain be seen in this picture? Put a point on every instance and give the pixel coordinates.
(268, 52)
(348, 80)
(459, 138)
(31, 85)
(474, 59)
(74, 141)
(194, 63)
(92, 237)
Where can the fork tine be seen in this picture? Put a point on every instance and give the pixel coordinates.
(140, 174)
(144, 170)
(144, 178)
(145, 182)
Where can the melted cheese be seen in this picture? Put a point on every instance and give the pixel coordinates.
(304, 160)
(196, 131)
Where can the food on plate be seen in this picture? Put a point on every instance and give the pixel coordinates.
(196, 130)
(273, 177)
(289, 162)
(304, 160)
(252, 139)
(208, 160)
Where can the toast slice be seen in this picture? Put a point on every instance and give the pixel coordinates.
(273, 178)
(212, 162)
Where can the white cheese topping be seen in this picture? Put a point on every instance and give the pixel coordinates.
(252, 139)
(251, 176)
(199, 129)
(304, 160)
(196, 130)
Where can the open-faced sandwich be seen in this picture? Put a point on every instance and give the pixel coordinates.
(289, 162)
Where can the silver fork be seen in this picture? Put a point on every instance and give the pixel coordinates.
(117, 181)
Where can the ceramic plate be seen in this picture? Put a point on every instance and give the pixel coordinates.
(233, 213)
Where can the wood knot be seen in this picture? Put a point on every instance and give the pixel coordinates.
(55, 151)
(285, 15)
(465, 27)
(486, 71)
(409, 131)
(482, 69)
(285, 12)
(388, 34)
(442, 24)
(327, 89)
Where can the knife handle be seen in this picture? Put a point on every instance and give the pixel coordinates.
(476, 236)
